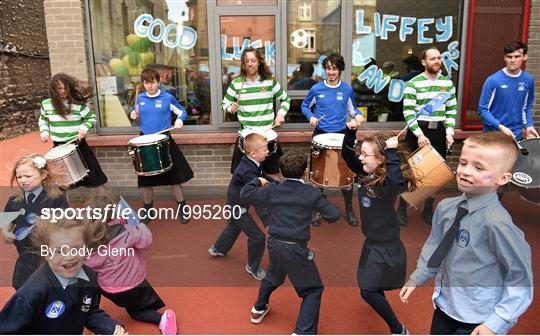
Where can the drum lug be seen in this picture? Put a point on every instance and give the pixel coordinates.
(315, 153)
(131, 153)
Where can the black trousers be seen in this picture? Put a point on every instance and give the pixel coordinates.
(295, 261)
(443, 324)
(255, 243)
(436, 136)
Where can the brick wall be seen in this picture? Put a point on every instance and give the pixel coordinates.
(533, 63)
(66, 33)
(24, 71)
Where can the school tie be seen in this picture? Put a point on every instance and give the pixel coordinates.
(30, 198)
(446, 243)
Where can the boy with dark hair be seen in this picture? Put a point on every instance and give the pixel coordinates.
(508, 96)
(479, 258)
(290, 205)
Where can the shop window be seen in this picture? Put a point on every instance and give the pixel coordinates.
(170, 36)
(391, 35)
(311, 46)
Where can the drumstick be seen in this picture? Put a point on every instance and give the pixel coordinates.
(165, 130)
(72, 140)
(240, 92)
(524, 151)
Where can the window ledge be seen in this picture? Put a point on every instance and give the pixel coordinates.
(96, 140)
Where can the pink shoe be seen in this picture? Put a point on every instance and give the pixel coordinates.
(167, 325)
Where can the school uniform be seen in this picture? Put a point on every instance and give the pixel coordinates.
(65, 128)
(122, 279)
(383, 259)
(290, 204)
(155, 115)
(50, 304)
(486, 276)
(28, 262)
(247, 170)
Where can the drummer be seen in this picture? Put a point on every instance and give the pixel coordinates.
(154, 107)
(508, 96)
(326, 107)
(251, 97)
(65, 117)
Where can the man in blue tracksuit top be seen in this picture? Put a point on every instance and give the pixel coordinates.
(508, 95)
(326, 107)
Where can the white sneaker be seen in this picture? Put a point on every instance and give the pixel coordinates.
(257, 316)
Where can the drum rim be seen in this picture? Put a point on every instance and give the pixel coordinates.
(518, 184)
(148, 143)
(316, 143)
(60, 157)
(157, 172)
(256, 131)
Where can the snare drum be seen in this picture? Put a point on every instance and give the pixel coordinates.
(526, 171)
(270, 134)
(431, 172)
(328, 169)
(150, 154)
(66, 162)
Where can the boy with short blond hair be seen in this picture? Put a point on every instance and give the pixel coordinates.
(480, 259)
(250, 167)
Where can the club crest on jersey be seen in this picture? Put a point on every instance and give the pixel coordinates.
(159, 103)
(521, 86)
(339, 95)
(443, 89)
(55, 309)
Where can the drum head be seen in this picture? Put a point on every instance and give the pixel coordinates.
(147, 138)
(60, 151)
(270, 134)
(526, 171)
(329, 140)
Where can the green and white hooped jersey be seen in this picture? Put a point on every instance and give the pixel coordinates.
(419, 91)
(65, 128)
(256, 101)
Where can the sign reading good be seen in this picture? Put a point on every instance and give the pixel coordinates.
(172, 35)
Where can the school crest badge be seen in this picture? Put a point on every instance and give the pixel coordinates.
(55, 309)
(86, 302)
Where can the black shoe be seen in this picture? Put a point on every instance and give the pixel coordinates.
(315, 218)
(427, 213)
(184, 218)
(401, 213)
(350, 217)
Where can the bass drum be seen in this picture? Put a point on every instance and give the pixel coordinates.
(526, 171)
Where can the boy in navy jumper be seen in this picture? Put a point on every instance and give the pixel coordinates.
(290, 205)
(256, 150)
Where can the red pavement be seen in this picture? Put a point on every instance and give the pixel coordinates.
(214, 296)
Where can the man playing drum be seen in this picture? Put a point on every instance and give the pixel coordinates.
(326, 107)
(251, 97)
(508, 96)
(435, 129)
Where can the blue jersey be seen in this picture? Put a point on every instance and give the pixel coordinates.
(332, 102)
(507, 100)
(155, 111)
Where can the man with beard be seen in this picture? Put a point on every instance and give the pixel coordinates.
(435, 129)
